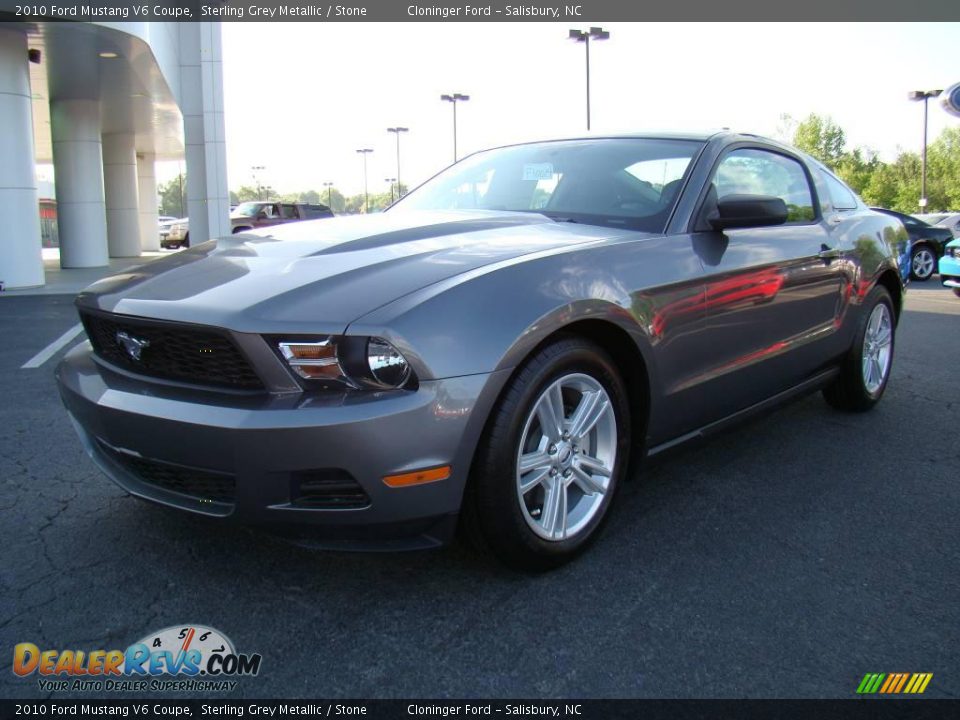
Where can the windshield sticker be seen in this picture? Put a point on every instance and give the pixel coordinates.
(538, 171)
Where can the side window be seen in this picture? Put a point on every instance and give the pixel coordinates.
(759, 172)
(841, 196)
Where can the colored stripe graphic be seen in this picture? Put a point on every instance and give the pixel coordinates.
(894, 683)
(903, 679)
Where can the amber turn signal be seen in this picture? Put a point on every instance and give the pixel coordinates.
(418, 477)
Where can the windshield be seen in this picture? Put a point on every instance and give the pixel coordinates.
(248, 209)
(624, 182)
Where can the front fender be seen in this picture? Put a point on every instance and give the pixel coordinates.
(490, 320)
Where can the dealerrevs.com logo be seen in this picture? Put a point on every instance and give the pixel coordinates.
(177, 658)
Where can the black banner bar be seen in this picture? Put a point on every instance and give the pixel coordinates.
(479, 11)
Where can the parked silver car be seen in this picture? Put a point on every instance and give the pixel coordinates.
(496, 349)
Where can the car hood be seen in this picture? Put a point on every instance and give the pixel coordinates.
(318, 276)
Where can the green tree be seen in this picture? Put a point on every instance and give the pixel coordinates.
(249, 192)
(334, 199)
(943, 171)
(353, 204)
(822, 138)
(173, 197)
(857, 167)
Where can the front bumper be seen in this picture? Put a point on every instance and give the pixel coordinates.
(263, 446)
(950, 271)
(173, 237)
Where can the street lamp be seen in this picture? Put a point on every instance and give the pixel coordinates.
(366, 198)
(329, 187)
(397, 131)
(454, 98)
(924, 95)
(391, 181)
(256, 179)
(584, 37)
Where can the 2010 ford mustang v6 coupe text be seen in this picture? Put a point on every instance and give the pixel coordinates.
(492, 349)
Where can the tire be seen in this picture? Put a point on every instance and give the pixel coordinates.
(567, 492)
(956, 291)
(186, 241)
(861, 383)
(923, 263)
(241, 229)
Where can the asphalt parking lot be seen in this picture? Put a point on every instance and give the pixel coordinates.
(785, 559)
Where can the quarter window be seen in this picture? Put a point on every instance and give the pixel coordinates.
(748, 171)
(841, 196)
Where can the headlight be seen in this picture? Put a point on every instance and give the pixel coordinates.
(386, 364)
(352, 362)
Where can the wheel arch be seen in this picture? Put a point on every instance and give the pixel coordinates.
(890, 280)
(627, 356)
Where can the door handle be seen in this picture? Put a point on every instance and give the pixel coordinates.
(828, 253)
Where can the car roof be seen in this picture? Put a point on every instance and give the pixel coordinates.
(697, 136)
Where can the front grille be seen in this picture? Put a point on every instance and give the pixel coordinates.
(329, 488)
(194, 482)
(173, 351)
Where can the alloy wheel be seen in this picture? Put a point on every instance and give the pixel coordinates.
(877, 348)
(923, 263)
(566, 457)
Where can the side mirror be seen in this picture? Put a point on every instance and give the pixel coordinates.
(261, 215)
(748, 211)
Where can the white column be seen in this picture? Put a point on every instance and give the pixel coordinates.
(78, 173)
(21, 264)
(147, 184)
(201, 103)
(121, 194)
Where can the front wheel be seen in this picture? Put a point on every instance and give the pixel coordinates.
(923, 264)
(866, 368)
(553, 455)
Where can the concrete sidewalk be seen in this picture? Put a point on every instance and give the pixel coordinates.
(69, 282)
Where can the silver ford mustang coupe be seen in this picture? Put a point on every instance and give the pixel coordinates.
(496, 350)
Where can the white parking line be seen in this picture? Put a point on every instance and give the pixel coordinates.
(53, 348)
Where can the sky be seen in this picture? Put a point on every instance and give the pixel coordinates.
(300, 98)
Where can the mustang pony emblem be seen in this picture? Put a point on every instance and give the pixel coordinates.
(134, 347)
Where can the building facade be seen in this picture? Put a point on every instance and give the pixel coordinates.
(103, 102)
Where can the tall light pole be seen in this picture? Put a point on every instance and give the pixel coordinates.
(924, 95)
(584, 37)
(454, 99)
(329, 187)
(391, 181)
(256, 180)
(366, 197)
(397, 131)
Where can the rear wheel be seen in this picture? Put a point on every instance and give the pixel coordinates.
(552, 458)
(186, 241)
(923, 264)
(866, 369)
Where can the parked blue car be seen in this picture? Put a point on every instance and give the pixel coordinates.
(950, 266)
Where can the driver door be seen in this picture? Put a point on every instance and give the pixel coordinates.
(772, 295)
